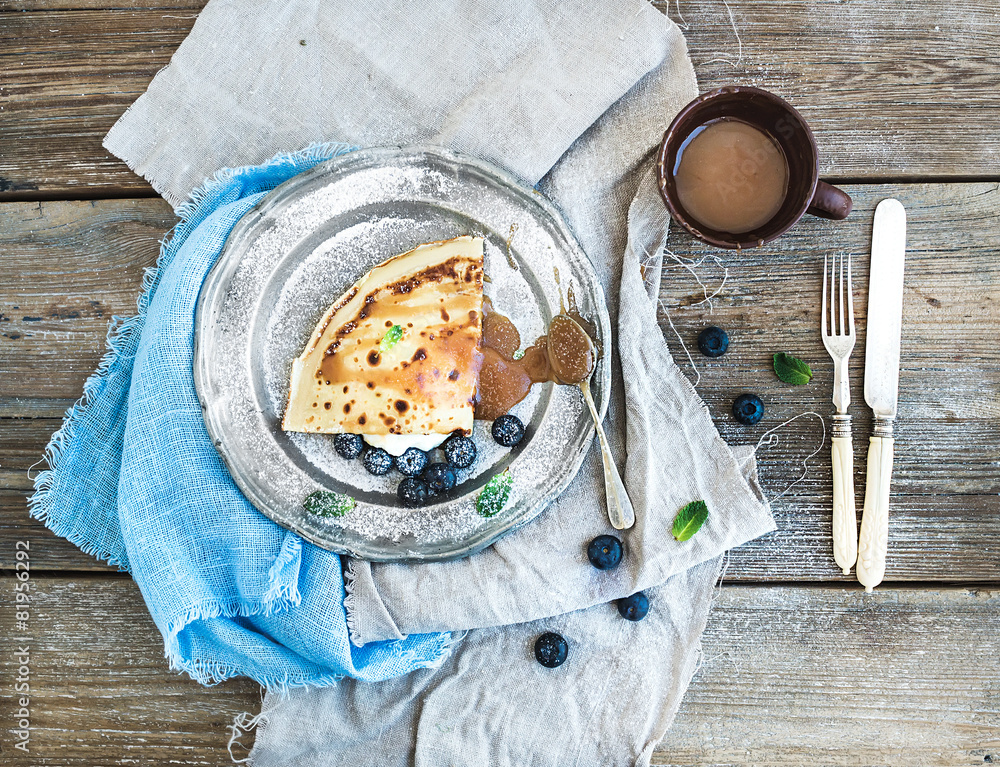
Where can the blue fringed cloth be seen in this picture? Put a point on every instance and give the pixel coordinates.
(135, 480)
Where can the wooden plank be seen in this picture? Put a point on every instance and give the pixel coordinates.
(22, 445)
(947, 538)
(49, 552)
(192, 7)
(23, 440)
(86, 258)
(790, 676)
(69, 75)
(33, 407)
(100, 689)
(798, 551)
(893, 89)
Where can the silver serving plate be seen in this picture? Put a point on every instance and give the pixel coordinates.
(296, 252)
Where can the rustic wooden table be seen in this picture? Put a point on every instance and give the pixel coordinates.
(800, 665)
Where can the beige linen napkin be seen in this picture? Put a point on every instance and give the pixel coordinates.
(491, 704)
(614, 699)
(516, 86)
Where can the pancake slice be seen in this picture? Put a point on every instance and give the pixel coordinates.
(398, 353)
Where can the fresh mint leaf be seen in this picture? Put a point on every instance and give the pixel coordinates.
(495, 494)
(391, 338)
(323, 503)
(791, 369)
(689, 520)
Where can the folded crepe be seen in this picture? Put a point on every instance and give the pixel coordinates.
(398, 353)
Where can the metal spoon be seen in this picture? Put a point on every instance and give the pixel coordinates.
(573, 358)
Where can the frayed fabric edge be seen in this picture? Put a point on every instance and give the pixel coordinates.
(283, 575)
(209, 672)
(120, 332)
(349, 604)
(449, 639)
(244, 724)
(318, 151)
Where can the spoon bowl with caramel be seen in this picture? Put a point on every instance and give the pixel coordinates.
(573, 358)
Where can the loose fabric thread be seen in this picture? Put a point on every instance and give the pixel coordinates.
(772, 440)
(243, 724)
(690, 264)
(736, 32)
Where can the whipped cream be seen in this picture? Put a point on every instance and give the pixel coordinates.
(397, 444)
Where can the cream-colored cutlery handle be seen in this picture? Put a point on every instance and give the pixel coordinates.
(620, 510)
(845, 515)
(873, 543)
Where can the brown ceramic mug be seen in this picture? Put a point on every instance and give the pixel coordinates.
(787, 129)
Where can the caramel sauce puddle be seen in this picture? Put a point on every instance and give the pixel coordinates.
(561, 356)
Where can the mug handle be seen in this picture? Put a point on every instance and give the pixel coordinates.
(830, 202)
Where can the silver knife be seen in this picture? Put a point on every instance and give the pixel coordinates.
(885, 318)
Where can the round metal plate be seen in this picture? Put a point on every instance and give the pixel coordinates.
(296, 252)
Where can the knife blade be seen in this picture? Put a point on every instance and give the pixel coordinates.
(882, 345)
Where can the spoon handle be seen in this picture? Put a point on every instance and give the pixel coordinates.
(620, 510)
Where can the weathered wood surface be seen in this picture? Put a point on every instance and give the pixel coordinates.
(66, 268)
(790, 676)
(946, 478)
(893, 88)
(100, 689)
(797, 676)
(932, 538)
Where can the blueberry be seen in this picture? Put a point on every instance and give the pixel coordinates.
(713, 341)
(634, 608)
(551, 649)
(413, 492)
(348, 445)
(748, 409)
(377, 461)
(460, 451)
(605, 552)
(440, 478)
(508, 430)
(412, 462)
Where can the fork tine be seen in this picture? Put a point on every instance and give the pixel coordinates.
(833, 295)
(850, 297)
(843, 324)
(822, 310)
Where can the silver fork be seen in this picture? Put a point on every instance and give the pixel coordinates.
(838, 338)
